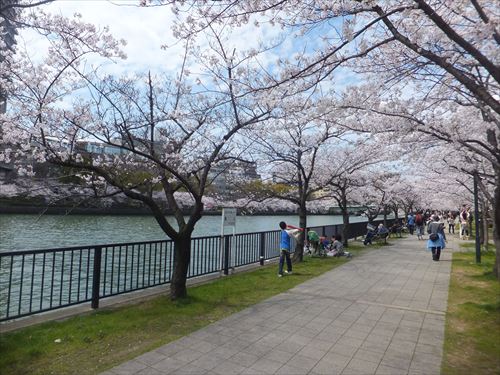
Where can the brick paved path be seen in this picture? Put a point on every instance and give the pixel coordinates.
(380, 313)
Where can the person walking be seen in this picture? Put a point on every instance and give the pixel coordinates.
(411, 223)
(437, 238)
(451, 223)
(284, 250)
(419, 224)
(464, 224)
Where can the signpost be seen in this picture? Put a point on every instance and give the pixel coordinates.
(228, 220)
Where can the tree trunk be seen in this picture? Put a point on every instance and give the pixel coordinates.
(345, 229)
(385, 216)
(182, 256)
(298, 256)
(496, 228)
(396, 217)
(485, 214)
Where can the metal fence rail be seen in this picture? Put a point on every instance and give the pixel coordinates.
(35, 281)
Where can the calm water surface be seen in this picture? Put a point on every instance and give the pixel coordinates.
(26, 232)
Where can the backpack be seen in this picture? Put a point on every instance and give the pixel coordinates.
(464, 215)
(419, 220)
(433, 237)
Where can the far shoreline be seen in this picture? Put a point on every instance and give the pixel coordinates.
(128, 211)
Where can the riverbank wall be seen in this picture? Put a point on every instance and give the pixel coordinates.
(8, 206)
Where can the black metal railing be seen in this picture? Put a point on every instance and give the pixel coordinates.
(35, 281)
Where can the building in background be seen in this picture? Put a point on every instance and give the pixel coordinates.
(226, 176)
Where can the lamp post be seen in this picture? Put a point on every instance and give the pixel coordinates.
(476, 218)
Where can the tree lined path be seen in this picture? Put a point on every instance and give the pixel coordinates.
(380, 313)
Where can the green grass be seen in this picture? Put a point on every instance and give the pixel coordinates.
(93, 343)
(472, 338)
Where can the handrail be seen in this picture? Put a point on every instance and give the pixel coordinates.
(35, 281)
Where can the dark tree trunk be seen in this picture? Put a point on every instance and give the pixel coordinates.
(345, 228)
(496, 227)
(345, 218)
(395, 210)
(385, 216)
(182, 256)
(298, 256)
(485, 215)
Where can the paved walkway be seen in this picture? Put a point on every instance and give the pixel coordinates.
(380, 313)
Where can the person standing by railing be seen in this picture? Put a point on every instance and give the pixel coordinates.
(285, 236)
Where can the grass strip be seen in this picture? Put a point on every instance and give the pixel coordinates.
(472, 336)
(93, 343)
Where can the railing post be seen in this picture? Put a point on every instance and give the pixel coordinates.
(262, 248)
(227, 248)
(96, 277)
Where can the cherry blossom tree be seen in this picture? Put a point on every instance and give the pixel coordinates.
(295, 148)
(153, 139)
(356, 177)
(442, 54)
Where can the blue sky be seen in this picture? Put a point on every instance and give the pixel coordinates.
(146, 30)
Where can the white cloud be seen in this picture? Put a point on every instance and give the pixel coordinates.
(144, 29)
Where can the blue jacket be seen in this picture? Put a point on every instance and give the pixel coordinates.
(285, 241)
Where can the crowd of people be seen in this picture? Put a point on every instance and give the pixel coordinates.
(459, 221)
(435, 223)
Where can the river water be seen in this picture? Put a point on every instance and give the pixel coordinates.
(27, 232)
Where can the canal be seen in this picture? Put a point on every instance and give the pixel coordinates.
(26, 232)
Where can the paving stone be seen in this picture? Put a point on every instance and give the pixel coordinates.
(328, 366)
(266, 366)
(302, 362)
(224, 352)
(345, 350)
(208, 361)
(357, 367)
(402, 346)
(149, 371)
(188, 355)
(228, 367)
(428, 369)
(290, 346)
(130, 367)
(203, 346)
(349, 341)
(337, 358)
(313, 352)
(244, 359)
(368, 355)
(429, 349)
(289, 370)
(355, 333)
(189, 369)
(170, 349)
(387, 370)
(396, 360)
(168, 365)
(150, 358)
(278, 355)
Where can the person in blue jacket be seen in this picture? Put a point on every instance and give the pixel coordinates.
(437, 238)
(284, 250)
(411, 223)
